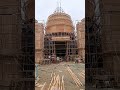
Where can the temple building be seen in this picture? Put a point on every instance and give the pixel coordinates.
(58, 39)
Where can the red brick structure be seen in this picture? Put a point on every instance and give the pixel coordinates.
(81, 39)
(39, 41)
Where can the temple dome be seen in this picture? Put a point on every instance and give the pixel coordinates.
(59, 21)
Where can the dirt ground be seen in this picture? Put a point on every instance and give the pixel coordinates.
(45, 71)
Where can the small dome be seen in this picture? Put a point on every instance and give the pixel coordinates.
(83, 20)
(36, 21)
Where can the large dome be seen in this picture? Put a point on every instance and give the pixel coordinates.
(59, 22)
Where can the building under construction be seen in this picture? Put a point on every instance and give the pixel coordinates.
(58, 41)
(17, 44)
(80, 27)
(102, 43)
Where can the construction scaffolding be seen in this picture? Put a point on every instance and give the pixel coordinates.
(65, 48)
(16, 47)
(110, 41)
(93, 49)
(101, 53)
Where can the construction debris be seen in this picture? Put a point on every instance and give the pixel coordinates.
(75, 78)
(56, 83)
(40, 85)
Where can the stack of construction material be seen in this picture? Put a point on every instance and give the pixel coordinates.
(75, 78)
(56, 83)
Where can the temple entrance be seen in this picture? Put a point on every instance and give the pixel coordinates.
(60, 48)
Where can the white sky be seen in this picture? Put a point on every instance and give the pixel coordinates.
(75, 8)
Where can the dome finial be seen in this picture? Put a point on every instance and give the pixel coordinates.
(59, 9)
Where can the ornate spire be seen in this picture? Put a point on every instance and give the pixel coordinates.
(59, 9)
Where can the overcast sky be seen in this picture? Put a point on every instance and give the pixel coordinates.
(75, 8)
